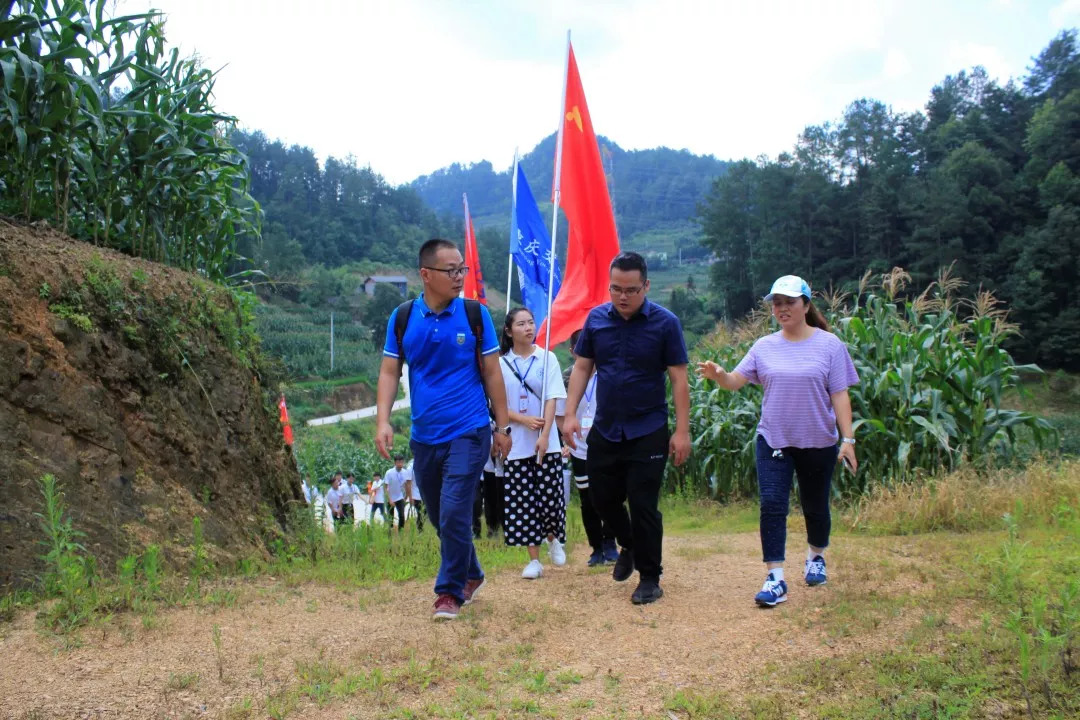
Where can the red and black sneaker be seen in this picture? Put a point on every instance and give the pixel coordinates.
(471, 587)
(445, 608)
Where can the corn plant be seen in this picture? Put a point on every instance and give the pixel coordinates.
(113, 137)
(932, 374)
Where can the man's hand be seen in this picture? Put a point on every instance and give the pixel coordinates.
(679, 447)
(571, 430)
(502, 444)
(384, 439)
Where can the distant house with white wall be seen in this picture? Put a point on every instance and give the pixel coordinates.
(399, 281)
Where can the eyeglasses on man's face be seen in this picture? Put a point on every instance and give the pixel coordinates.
(628, 292)
(451, 272)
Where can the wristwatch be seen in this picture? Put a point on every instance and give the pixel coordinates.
(504, 430)
(849, 441)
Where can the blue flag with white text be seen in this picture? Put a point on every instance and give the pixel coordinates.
(530, 246)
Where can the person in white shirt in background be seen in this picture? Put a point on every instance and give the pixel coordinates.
(533, 505)
(412, 492)
(600, 536)
(306, 489)
(333, 500)
(349, 495)
(377, 496)
(394, 481)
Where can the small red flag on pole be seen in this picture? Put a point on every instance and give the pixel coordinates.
(284, 418)
(474, 281)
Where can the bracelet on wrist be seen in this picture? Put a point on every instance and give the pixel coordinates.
(848, 440)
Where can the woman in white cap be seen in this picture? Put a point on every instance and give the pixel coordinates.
(805, 372)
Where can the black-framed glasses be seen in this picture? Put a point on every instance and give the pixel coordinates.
(454, 272)
(628, 292)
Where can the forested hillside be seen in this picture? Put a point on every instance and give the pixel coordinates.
(652, 190)
(329, 213)
(984, 177)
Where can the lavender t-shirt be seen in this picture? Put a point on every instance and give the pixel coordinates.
(798, 378)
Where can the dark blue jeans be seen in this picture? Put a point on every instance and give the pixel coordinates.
(775, 468)
(448, 474)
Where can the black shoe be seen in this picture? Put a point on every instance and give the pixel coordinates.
(648, 591)
(624, 566)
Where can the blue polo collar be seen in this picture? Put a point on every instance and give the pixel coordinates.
(425, 310)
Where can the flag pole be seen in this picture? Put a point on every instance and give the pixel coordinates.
(555, 221)
(513, 216)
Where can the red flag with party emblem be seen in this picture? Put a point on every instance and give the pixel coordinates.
(583, 196)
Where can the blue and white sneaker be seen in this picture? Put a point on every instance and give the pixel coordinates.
(772, 592)
(611, 552)
(815, 571)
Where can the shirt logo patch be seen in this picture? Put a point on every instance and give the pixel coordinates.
(461, 338)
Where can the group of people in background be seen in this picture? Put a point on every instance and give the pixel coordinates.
(388, 494)
(494, 425)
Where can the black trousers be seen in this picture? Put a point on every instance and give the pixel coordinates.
(398, 505)
(488, 504)
(418, 506)
(596, 531)
(631, 471)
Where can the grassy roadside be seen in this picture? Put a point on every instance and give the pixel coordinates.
(950, 603)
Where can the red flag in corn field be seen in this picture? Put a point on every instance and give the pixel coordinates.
(284, 418)
(474, 281)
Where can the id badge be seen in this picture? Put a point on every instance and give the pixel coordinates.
(523, 401)
(586, 423)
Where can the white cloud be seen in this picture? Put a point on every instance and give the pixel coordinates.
(413, 85)
(964, 56)
(897, 64)
(1065, 15)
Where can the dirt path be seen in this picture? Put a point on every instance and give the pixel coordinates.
(568, 645)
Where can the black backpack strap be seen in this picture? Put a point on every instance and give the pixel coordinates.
(476, 323)
(401, 321)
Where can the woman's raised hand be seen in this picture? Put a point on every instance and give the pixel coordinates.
(709, 370)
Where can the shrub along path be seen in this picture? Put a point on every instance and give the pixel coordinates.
(905, 627)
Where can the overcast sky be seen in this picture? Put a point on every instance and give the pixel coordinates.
(409, 86)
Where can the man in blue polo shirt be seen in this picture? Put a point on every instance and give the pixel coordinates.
(451, 431)
(632, 342)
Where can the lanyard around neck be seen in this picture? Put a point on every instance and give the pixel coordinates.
(523, 375)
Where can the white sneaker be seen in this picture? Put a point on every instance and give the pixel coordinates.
(556, 553)
(533, 570)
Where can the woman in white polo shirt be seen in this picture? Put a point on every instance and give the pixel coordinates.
(533, 505)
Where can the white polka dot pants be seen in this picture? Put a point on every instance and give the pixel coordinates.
(533, 504)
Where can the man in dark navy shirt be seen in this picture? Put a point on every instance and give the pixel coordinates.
(632, 343)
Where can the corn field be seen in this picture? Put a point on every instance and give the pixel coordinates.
(322, 451)
(113, 137)
(932, 373)
(301, 339)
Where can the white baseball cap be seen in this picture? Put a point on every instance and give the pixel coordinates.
(789, 285)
